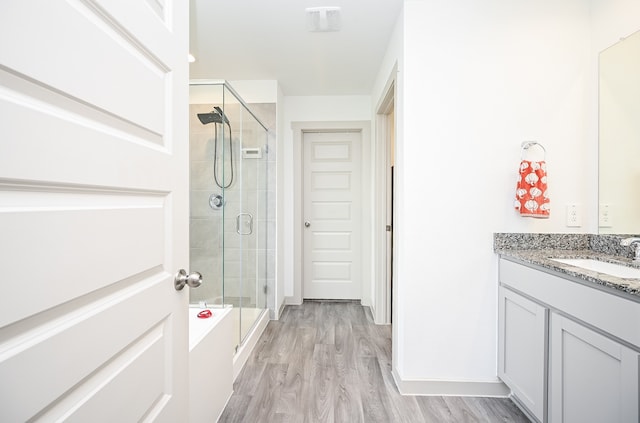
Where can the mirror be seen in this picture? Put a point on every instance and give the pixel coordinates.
(619, 137)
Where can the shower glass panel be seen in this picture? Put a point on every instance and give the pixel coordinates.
(228, 204)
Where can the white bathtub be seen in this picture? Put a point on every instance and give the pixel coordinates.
(210, 364)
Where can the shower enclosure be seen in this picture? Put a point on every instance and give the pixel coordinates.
(229, 150)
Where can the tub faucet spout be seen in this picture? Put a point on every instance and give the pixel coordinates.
(634, 243)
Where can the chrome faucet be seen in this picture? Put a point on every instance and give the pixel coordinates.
(635, 244)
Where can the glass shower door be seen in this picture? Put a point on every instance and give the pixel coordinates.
(249, 221)
(229, 204)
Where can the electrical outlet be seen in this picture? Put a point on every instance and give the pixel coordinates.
(605, 219)
(574, 216)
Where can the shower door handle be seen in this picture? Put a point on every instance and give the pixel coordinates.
(244, 224)
(194, 280)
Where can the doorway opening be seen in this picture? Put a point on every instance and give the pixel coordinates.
(332, 224)
(332, 213)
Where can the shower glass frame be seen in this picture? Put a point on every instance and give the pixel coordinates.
(228, 244)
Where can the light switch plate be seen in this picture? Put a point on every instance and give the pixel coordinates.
(574, 216)
(605, 220)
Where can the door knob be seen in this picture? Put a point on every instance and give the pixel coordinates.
(307, 223)
(194, 279)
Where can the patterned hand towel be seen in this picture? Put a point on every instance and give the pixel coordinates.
(531, 191)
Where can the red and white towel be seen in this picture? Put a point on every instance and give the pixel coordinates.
(531, 190)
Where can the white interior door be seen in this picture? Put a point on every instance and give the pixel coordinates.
(93, 210)
(332, 215)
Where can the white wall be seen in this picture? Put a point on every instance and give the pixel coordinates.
(478, 78)
(309, 109)
(613, 19)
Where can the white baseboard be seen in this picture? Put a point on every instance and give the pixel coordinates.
(451, 388)
(284, 303)
(292, 301)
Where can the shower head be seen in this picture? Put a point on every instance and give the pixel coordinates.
(212, 117)
(215, 116)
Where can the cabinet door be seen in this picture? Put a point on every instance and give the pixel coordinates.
(522, 345)
(592, 377)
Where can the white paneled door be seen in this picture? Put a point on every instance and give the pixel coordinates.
(332, 215)
(93, 210)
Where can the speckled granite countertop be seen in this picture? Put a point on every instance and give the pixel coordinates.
(539, 249)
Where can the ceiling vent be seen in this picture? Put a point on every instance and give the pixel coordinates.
(323, 19)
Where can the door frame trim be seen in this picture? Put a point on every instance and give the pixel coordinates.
(299, 128)
(381, 308)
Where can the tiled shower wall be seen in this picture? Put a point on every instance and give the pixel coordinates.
(249, 260)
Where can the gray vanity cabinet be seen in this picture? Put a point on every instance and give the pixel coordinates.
(568, 350)
(592, 378)
(521, 350)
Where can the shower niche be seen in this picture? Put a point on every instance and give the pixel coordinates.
(231, 153)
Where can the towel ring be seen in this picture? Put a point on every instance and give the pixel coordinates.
(528, 144)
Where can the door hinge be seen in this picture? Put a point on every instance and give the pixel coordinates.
(388, 228)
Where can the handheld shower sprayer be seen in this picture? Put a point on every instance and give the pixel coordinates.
(216, 117)
(222, 115)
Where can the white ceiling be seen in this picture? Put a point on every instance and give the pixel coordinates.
(268, 39)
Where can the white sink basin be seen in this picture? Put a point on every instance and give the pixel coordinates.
(612, 269)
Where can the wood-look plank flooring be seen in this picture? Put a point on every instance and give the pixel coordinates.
(328, 362)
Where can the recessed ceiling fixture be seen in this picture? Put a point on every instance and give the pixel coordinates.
(323, 19)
